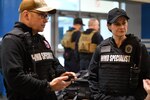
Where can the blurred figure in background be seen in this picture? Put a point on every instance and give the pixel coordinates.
(87, 43)
(70, 55)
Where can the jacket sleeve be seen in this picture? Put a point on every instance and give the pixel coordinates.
(12, 67)
(93, 74)
(145, 60)
(145, 73)
(76, 52)
(97, 38)
(59, 68)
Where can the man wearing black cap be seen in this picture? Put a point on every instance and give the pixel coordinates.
(31, 71)
(119, 64)
(70, 55)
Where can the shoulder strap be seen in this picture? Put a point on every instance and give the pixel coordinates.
(140, 55)
(87, 35)
(27, 40)
(137, 43)
(105, 42)
(66, 41)
(92, 33)
(25, 36)
(135, 71)
(70, 32)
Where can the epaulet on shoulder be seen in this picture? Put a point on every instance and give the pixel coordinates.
(105, 42)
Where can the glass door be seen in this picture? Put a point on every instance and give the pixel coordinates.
(64, 23)
(104, 30)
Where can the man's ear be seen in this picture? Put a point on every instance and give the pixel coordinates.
(26, 14)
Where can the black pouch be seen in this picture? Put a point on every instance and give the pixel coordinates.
(134, 77)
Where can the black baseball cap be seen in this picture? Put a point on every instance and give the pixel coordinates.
(114, 14)
(78, 21)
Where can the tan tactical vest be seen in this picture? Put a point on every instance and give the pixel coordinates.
(66, 41)
(85, 43)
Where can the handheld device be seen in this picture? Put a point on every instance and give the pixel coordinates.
(70, 77)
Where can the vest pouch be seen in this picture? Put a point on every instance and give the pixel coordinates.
(134, 77)
(93, 47)
(85, 43)
(72, 45)
(66, 43)
(84, 47)
(67, 40)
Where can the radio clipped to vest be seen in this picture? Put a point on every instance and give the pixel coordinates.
(66, 41)
(85, 43)
(134, 77)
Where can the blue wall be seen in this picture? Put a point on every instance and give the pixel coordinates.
(8, 15)
(145, 21)
(1, 20)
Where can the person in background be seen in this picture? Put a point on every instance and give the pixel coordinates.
(71, 62)
(146, 84)
(30, 69)
(87, 43)
(119, 64)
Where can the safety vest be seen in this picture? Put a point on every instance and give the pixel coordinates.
(85, 43)
(118, 74)
(39, 62)
(66, 41)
